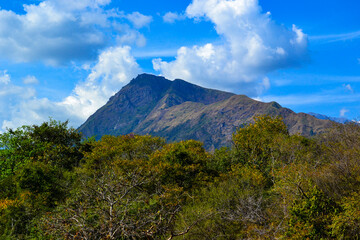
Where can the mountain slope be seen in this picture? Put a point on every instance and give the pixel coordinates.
(178, 110)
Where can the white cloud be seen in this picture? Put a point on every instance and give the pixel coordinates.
(11, 95)
(266, 83)
(59, 31)
(171, 17)
(30, 80)
(129, 36)
(31, 110)
(348, 87)
(4, 77)
(139, 20)
(79, 5)
(330, 38)
(253, 46)
(343, 112)
(115, 68)
(358, 60)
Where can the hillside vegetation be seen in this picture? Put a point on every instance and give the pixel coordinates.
(267, 185)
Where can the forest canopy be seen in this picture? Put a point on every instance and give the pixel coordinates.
(268, 184)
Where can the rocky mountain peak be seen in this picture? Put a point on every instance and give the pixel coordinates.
(179, 110)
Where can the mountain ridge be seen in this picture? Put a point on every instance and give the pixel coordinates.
(179, 110)
(342, 120)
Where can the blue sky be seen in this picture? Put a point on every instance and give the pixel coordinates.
(64, 59)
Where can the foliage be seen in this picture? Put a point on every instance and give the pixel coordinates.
(310, 216)
(268, 185)
(35, 162)
(51, 142)
(230, 208)
(346, 224)
(254, 144)
(112, 206)
(181, 164)
(127, 147)
(117, 195)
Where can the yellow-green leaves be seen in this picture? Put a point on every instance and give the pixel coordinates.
(182, 164)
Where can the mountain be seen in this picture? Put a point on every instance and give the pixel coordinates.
(334, 119)
(178, 110)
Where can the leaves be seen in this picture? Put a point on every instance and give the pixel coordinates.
(268, 185)
(254, 144)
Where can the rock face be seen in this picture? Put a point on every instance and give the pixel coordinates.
(178, 110)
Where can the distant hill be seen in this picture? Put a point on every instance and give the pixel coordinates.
(178, 110)
(324, 117)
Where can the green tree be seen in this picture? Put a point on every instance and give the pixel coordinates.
(232, 207)
(340, 176)
(182, 164)
(311, 216)
(35, 163)
(52, 142)
(118, 194)
(255, 144)
(346, 224)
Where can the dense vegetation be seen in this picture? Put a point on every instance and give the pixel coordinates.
(268, 185)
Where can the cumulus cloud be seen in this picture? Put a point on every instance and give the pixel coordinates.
(171, 17)
(114, 68)
(129, 36)
(11, 95)
(139, 20)
(59, 31)
(31, 110)
(30, 80)
(253, 46)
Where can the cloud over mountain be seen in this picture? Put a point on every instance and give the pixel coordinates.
(252, 46)
(59, 31)
(114, 68)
